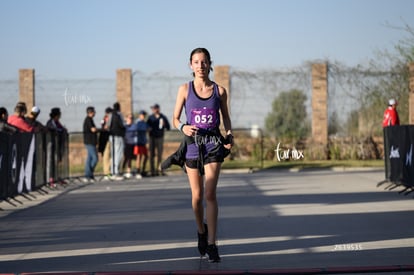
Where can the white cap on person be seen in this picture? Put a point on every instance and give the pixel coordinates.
(35, 110)
(392, 102)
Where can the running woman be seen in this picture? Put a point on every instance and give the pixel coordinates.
(203, 101)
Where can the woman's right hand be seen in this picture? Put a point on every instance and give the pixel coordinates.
(189, 130)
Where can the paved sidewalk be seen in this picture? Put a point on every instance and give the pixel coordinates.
(269, 221)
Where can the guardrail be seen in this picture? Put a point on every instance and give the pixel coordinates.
(29, 161)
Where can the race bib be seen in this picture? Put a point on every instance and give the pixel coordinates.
(204, 118)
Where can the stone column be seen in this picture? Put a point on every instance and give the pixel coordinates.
(320, 103)
(222, 77)
(411, 93)
(27, 87)
(124, 90)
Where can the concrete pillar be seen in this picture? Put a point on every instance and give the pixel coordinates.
(320, 103)
(27, 87)
(411, 93)
(124, 90)
(222, 77)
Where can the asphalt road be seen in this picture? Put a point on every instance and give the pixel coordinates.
(268, 220)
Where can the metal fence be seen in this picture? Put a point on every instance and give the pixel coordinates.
(252, 93)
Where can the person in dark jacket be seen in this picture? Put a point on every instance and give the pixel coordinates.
(55, 145)
(90, 139)
(117, 134)
(104, 146)
(4, 126)
(31, 119)
(157, 123)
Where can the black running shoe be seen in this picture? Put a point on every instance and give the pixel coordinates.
(212, 252)
(202, 241)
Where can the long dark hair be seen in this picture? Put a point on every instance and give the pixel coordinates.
(3, 112)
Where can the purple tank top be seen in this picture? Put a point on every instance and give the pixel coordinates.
(203, 112)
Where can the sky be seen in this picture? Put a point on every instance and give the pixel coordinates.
(94, 38)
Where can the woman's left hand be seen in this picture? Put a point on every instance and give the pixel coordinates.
(228, 141)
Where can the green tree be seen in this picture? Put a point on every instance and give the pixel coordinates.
(351, 125)
(334, 125)
(392, 84)
(288, 116)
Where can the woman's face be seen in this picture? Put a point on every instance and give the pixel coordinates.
(200, 65)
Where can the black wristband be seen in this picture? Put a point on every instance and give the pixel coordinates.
(228, 139)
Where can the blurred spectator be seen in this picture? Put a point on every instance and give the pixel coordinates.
(130, 142)
(104, 147)
(31, 119)
(117, 134)
(53, 124)
(141, 147)
(4, 126)
(390, 114)
(56, 139)
(157, 123)
(17, 119)
(90, 139)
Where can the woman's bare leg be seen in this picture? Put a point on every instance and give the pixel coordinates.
(197, 192)
(212, 171)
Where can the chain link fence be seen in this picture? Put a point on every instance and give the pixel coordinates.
(351, 94)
